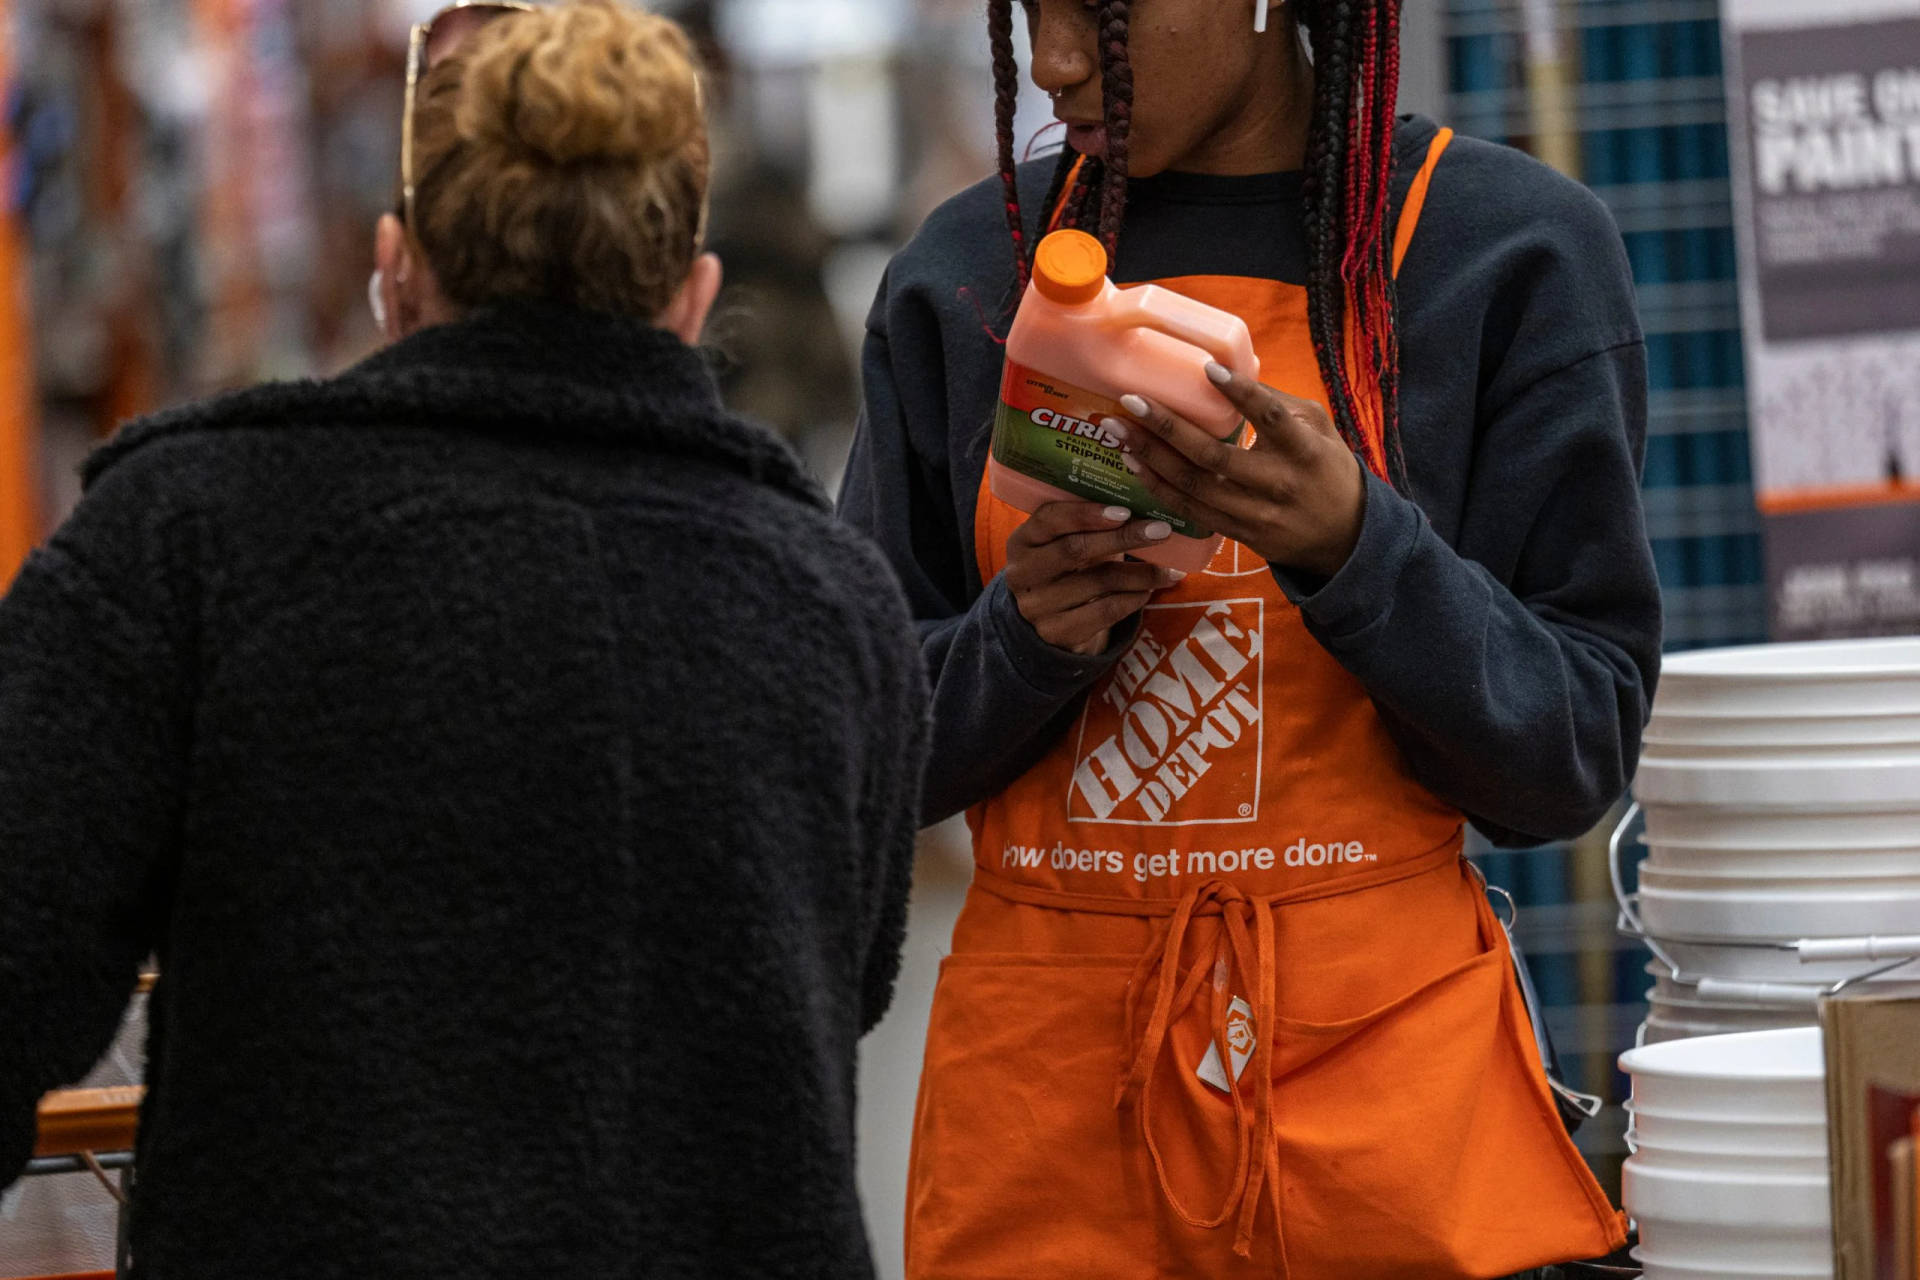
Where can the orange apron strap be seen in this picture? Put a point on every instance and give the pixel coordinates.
(1367, 402)
(1256, 1158)
(1417, 198)
(984, 505)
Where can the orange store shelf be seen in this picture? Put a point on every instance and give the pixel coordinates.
(76, 1120)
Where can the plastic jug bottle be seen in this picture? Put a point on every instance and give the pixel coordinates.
(1077, 346)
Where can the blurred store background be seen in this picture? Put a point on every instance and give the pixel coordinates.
(189, 191)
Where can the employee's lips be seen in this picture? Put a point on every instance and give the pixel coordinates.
(1089, 139)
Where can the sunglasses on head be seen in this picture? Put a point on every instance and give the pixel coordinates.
(428, 42)
(432, 40)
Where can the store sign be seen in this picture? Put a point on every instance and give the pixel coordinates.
(1834, 119)
(1824, 104)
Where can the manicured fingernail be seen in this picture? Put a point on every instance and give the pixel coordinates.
(1158, 531)
(1134, 405)
(1219, 373)
(1130, 462)
(1117, 514)
(1178, 575)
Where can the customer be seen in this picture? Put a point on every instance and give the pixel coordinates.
(511, 763)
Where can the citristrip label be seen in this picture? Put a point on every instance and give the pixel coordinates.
(1052, 431)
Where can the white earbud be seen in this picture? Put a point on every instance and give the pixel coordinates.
(377, 300)
(1260, 15)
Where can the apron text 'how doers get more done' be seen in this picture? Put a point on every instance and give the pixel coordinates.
(1173, 864)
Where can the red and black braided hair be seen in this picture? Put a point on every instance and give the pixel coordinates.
(1349, 168)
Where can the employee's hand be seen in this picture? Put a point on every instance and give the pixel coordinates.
(1295, 498)
(1066, 571)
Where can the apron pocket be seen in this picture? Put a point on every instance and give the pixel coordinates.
(1420, 1139)
(1022, 1166)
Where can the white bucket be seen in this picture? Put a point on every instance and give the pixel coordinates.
(1677, 734)
(1774, 965)
(1892, 826)
(1728, 1175)
(1786, 910)
(1719, 925)
(1876, 781)
(1767, 1074)
(1781, 787)
(1798, 1143)
(1714, 1218)
(1677, 1010)
(1667, 1022)
(1704, 865)
(1828, 678)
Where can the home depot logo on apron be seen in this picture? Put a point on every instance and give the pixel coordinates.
(1183, 696)
(1224, 1000)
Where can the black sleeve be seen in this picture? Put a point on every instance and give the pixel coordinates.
(94, 720)
(1515, 668)
(1001, 694)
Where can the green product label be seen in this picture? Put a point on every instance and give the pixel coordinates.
(1052, 431)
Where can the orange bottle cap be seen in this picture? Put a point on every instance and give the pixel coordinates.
(1070, 268)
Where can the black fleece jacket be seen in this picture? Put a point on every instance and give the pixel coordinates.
(1503, 614)
(513, 765)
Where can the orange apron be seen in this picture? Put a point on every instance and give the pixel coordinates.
(1225, 870)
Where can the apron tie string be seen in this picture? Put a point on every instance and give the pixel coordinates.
(1251, 955)
(1244, 947)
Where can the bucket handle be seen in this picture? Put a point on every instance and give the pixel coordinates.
(1793, 993)
(1902, 947)
(1870, 974)
(1796, 993)
(1630, 923)
(1898, 950)
(1759, 992)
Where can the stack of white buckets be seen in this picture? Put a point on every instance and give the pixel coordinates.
(1728, 1178)
(1781, 786)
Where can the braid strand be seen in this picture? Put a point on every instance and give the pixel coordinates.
(1116, 85)
(1352, 307)
(1006, 96)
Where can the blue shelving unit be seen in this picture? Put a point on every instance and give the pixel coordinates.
(1652, 142)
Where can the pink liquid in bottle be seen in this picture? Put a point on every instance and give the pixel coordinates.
(1077, 346)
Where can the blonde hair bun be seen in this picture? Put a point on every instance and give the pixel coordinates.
(589, 82)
